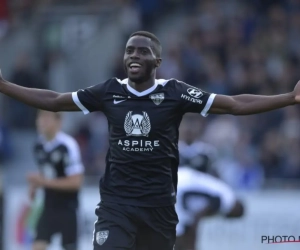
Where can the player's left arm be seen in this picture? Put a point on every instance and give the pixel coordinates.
(247, 104)
(69, 183)
(74, 171)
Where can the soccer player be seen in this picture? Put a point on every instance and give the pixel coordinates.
(200, 194)
(60, 176)
(138, 189)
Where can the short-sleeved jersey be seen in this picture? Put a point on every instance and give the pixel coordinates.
(59, 158)
(196, 190)
(142, 160)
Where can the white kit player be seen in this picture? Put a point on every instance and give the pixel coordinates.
(199, 193)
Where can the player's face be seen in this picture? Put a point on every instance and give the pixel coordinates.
(47, 123)
(140, 61)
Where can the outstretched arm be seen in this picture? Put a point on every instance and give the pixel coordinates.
(38, 98)
(253, 104)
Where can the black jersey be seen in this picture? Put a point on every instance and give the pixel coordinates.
(58, 158)
(142, 160)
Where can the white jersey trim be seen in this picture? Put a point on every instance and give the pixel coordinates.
(145, 92)
(74, 157)
(208, 105)
(78, 103)
(191, 180)
(74, 169)
(75, 165)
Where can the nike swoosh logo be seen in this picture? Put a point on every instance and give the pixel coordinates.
(116, 102)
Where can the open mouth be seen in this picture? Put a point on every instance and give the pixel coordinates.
(134, 67)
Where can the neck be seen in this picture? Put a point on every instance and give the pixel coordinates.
(50, 136)
(142, 86)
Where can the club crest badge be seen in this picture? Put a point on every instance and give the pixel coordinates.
(101, 237)
(157, 98)
(137, 124)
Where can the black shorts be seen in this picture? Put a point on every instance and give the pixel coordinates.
(62, 221)
(123, 227)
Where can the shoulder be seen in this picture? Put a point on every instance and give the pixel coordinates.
(180, 88)
(173, 86)
(68, 143)
(188, 178)
(185, 173)
(169, 83)
(194, 178)
(105, 84)
(37, 146)
(101, 87)
(175, 82)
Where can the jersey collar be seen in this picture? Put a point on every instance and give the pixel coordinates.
(49, 145)
(145, 92)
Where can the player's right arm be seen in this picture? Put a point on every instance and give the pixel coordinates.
(39, 98)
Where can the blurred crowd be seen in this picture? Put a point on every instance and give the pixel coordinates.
(226, 47)
(15, 13)
(244, 47)
(237, 47)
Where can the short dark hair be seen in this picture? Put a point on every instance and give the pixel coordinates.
(157, 48)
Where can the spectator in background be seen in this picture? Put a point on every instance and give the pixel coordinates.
(93, 143)
(244, 47)
(23, 11)
(172, 65)
(20, 115)
(5, 143)
(130, 19)
(236, 163)
(4, 17)
(150, 10)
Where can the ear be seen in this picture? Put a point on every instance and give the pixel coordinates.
(158, 62)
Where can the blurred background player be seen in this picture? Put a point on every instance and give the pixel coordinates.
(200, 193)
(60, 176)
